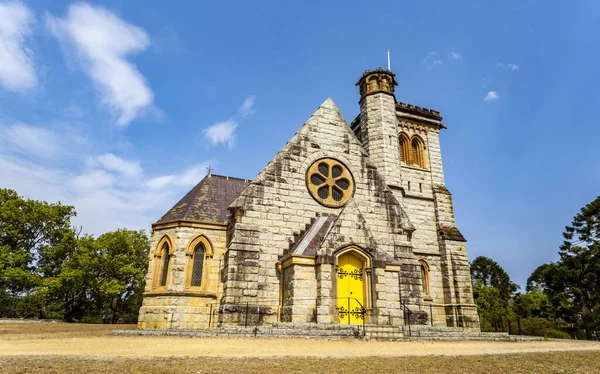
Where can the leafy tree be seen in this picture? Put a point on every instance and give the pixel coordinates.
(33, 242)
(493, 275)
(104, 279)
(573, 283)
(492, 291)
(489, 305)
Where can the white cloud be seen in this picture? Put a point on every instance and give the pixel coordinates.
(113, 163)
(431, 61)
(491, 96)
(224, 132)
(188, 178)
(102, 42)
(511, 67)
(247, 109)
(455, 56)
(23, 138)
(107, 191)
(96, 179)
(17, 66)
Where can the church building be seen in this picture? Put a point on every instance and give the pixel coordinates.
(347, 224)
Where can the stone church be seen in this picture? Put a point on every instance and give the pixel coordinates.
(347, 224)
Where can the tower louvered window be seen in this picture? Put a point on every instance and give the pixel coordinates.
(412, 152)
(405, 155)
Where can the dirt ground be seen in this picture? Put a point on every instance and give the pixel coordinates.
(76, 348)
(96, 340)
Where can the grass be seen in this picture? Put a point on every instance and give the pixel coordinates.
(562, 362)
(29, 335)
(45, 330)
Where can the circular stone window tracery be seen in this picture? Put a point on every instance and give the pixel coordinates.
(330, 182)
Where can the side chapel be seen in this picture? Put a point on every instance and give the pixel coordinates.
(346, 224)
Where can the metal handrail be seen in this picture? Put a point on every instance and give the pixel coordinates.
(214, 307)
(407, 312)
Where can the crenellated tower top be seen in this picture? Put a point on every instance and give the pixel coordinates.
(378, 81)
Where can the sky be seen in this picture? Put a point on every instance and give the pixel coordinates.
(119, 107)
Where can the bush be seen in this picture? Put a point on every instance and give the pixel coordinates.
(535, 326)
(556, 334)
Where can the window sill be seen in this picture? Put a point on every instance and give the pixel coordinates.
(414, 167)
(191, 293)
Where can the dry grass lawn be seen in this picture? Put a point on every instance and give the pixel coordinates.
(77, 348)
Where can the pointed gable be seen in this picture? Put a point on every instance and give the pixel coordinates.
(277, 205)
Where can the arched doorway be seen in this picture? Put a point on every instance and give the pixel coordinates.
(351, 288)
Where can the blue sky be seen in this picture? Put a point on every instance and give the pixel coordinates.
(118, 107)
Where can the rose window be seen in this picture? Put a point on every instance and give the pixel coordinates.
(329, 182)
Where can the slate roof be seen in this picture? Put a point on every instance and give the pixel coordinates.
(208, 200)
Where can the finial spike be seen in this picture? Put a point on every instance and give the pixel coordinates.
(389, 67)
(209, 170)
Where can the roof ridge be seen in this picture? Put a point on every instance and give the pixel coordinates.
(227, 177)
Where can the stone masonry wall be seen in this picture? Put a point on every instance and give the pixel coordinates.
(378, 134)
(178, 307)
(277, 204)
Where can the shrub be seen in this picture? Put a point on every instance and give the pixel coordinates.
(556, 334)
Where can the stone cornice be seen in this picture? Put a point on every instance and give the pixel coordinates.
(187, 223)
(419, 124)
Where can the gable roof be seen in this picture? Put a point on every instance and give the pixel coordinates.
(208, 200)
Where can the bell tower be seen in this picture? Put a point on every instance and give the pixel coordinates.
(378, 130)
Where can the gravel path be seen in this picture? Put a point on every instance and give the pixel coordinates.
(112, 346)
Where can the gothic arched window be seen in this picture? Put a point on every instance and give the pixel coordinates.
(162, 258)
(418, 152)
(405, 153)
(198, 263)
(199, 251)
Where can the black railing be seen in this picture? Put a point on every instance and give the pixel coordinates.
(407, 317)
(252, 313)
(358, 312)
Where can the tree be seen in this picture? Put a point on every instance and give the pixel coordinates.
(105, 277)
(34, 241)
(573, 283)
(492, 291)
(493, 275)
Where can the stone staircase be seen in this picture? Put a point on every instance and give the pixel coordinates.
(335, 331)
(419, 332)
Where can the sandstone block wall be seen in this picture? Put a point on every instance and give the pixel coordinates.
(177, 306)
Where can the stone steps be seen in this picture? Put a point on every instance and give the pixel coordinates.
(334, 331)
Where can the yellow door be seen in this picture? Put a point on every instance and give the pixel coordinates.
(350, 288)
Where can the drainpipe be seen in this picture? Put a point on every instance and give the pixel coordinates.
(281, 285)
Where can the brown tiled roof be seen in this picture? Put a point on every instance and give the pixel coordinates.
(208, 200)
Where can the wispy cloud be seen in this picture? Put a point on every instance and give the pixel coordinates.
(113, 163)
(511, 67)
(101, 41)
(491, 96)
(431, 61)
(22, 138)
(17, 65)
(108, 191)
(224, 132)
(247, 109)
(455, 56)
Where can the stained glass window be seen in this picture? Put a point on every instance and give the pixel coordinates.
(198, 263)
